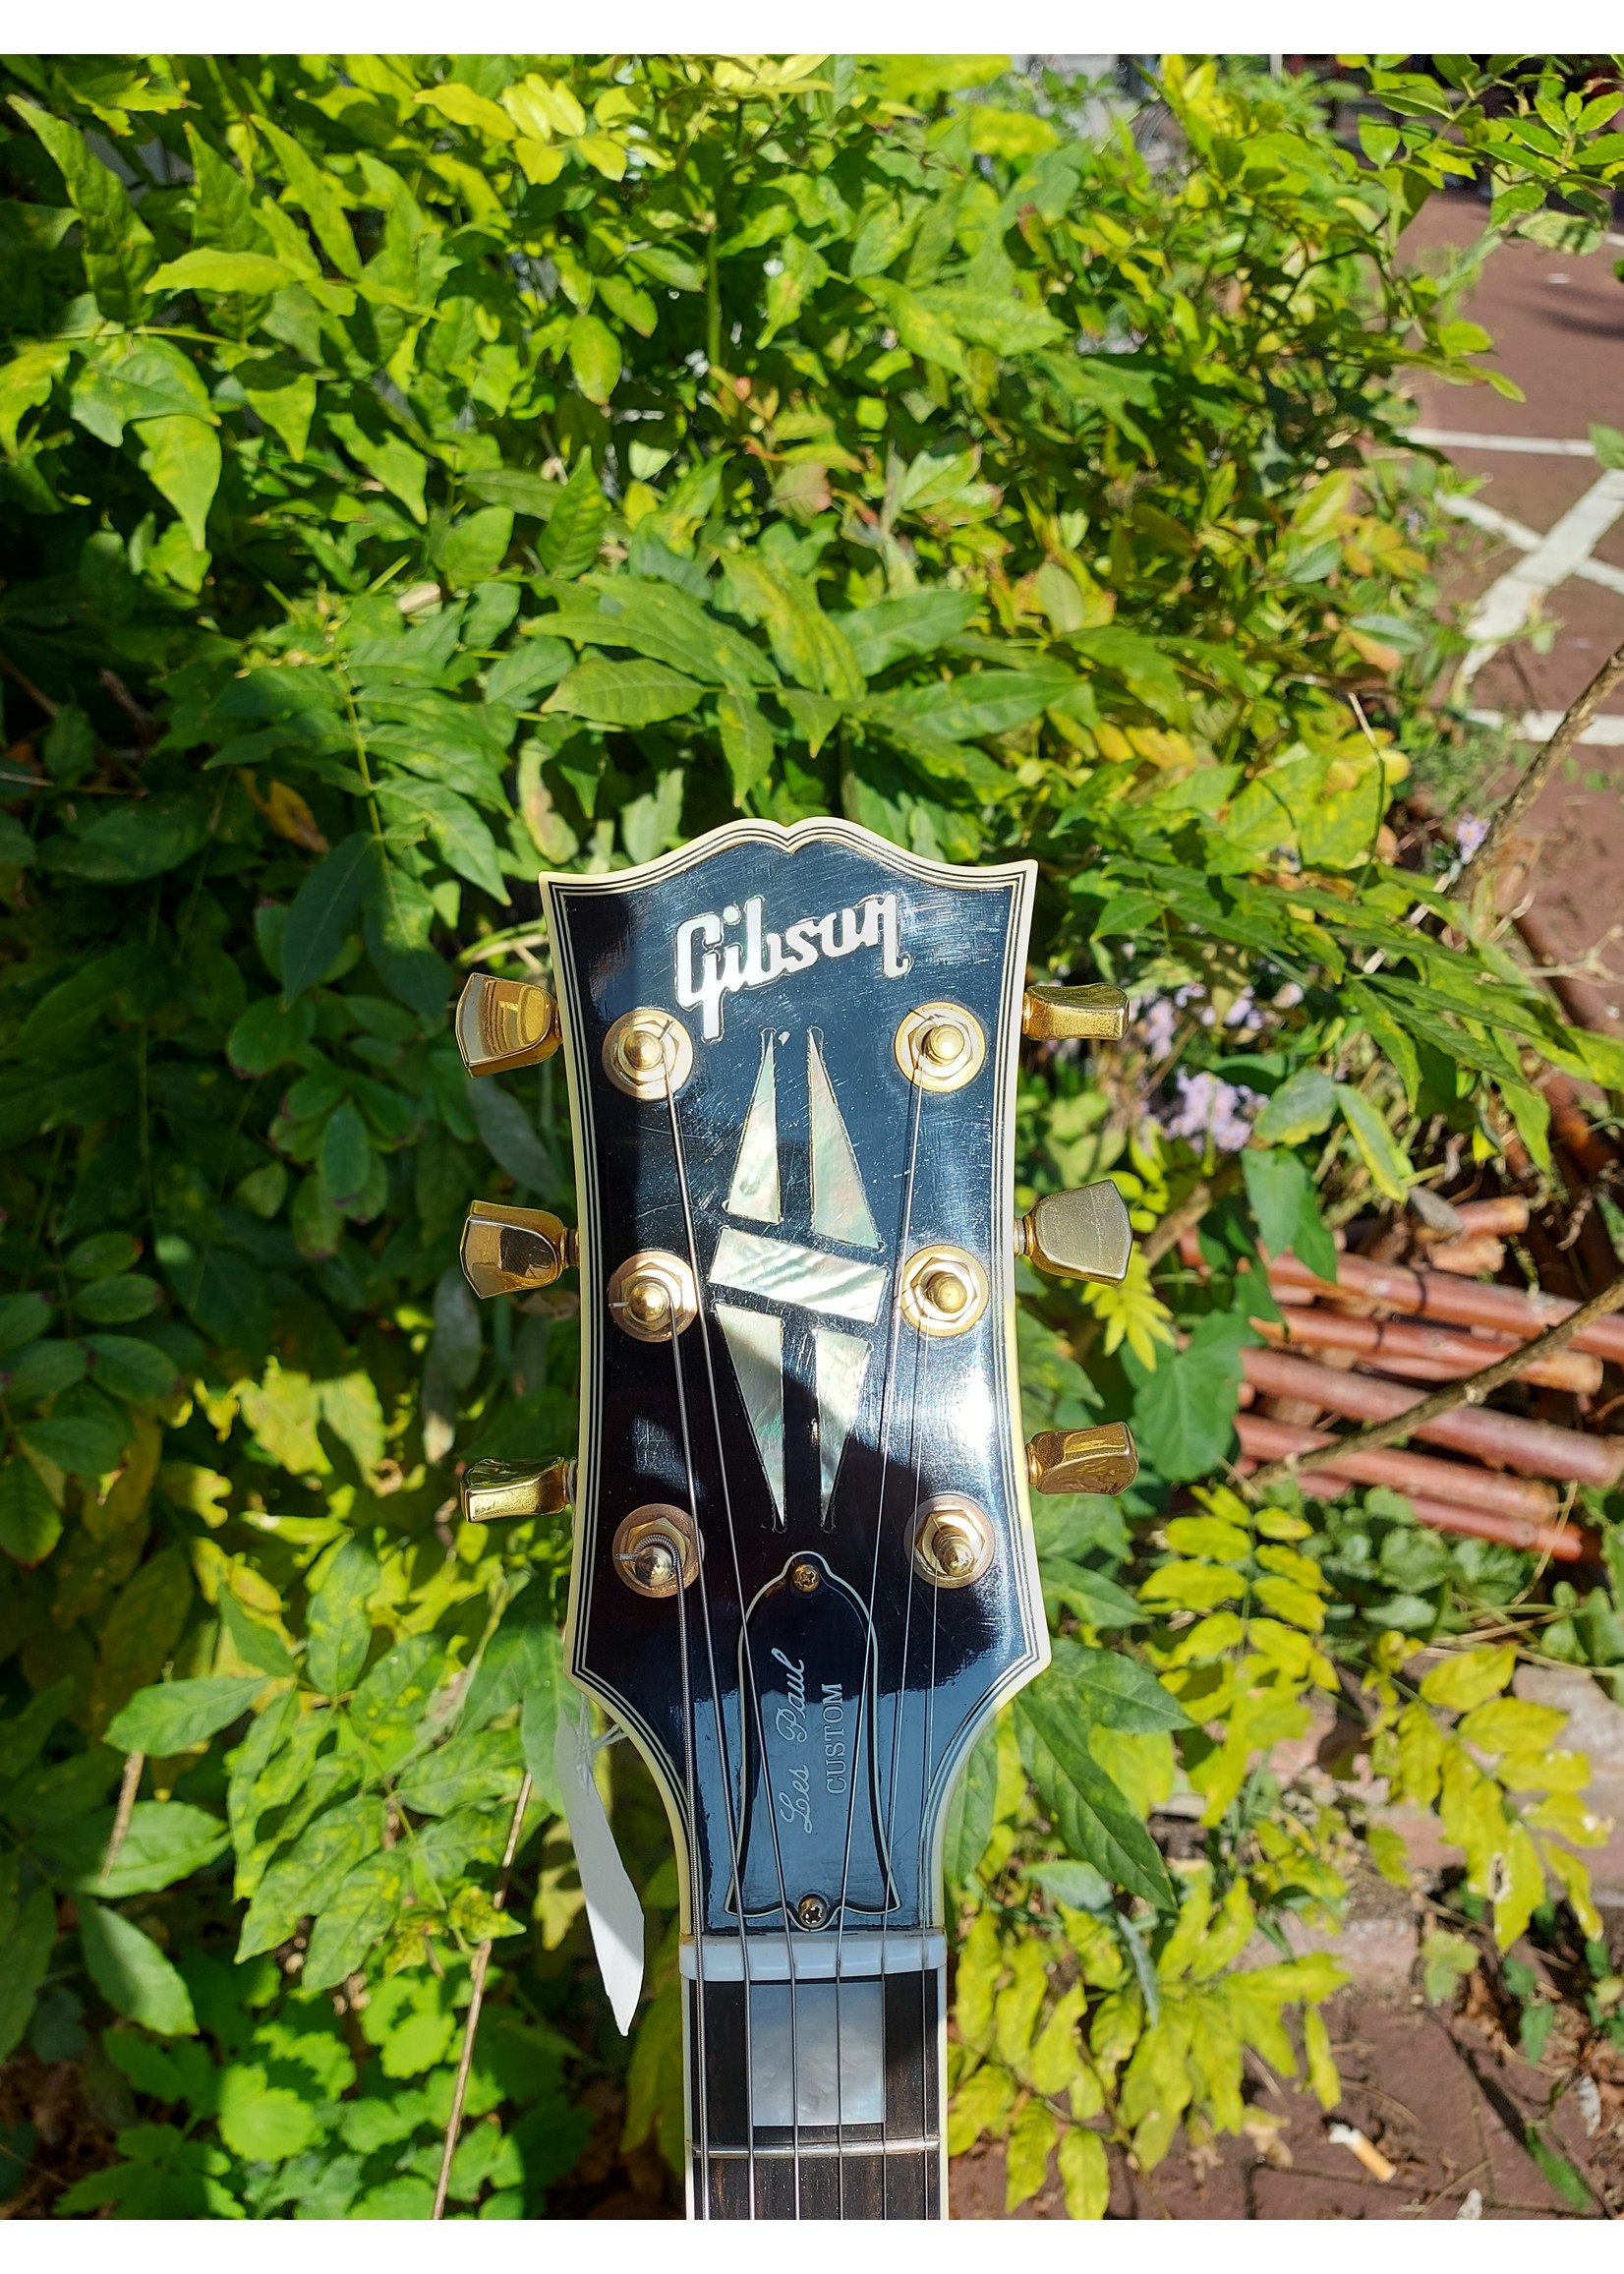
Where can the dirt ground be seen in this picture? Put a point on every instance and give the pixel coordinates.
(1441, 2098)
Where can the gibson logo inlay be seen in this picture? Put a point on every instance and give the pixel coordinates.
(710, 967)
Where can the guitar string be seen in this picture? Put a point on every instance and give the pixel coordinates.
(698, 1893)
(911, 1582)
(746, 1680)
(904, 1229)
(925, 2031)
(701, 2074)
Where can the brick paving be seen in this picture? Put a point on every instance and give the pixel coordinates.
(1557, 320)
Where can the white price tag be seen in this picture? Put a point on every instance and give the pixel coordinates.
(613, 1912)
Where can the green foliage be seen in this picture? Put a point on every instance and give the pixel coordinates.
(416, 472)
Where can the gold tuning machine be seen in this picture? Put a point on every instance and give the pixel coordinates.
(503, 1024)
(1073, 1015)
(1101, 1459)
(509, 1250)
(494, 1488)
(1081, 1235)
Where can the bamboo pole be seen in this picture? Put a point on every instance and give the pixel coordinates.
(1577, 1321)
(1458, 1302)
(1537, 1448)
(1424, 1353)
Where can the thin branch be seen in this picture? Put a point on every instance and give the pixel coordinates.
(1177, 1222)
(1470, 1392)
(1578, 715)
(127, 1791)
(482, 1959)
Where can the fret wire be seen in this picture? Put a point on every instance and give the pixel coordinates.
(810, 2149)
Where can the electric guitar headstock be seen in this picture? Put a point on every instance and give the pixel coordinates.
(803, 1574)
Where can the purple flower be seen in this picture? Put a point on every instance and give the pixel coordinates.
(1469, 832)
(1207, 1107)
(1157, 1020)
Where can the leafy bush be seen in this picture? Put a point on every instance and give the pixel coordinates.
(417, 470)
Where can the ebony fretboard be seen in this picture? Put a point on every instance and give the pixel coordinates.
(868, 2146)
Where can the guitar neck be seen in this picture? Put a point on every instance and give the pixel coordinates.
(819, 2097)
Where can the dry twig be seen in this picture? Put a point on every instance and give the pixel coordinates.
(1471, 1392)
(132, 1766)
(482, 1959)
(1578, 715)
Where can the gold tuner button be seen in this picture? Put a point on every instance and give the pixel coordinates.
(1081, 1235)
(494, 1489)
(503, 1024)
(1097, 1460)
(508, 1251)
(1073, 1015)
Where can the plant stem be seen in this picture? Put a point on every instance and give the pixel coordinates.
(482, 1959)
(1471, 1392)
(127, 1791)
(1578, 717)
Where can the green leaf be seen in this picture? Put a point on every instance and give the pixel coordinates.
(118, 1302)
(1076, 1885)
(465, 844)
(509, 1135)
(320, 1861)
(921, 330)
(969, 1825)
(1184, 1413)
(1091, 1814)
(914, 623)
(208, 270)
(262, 2121)
(323, 910)
(746, 744)
(990, 320)
(476, 546)
(1391, 1170)
(29, 1946)
(355, 1919)
(402, 470)
(23, 1317)
(23, 1736)
(568, 545)
(1299, 1108)
(477, 1768)
(261, 1645)
(340, 1625)
(181, 458)
(1112, 1691)
(271, 1033)
(345, 1155)
(594, 357)
(1084, 2172)
(85, 1444)
(672, 627)
(1098, 1601)
(26, 382)
(164, 1842)
(30, 1522)
(102, 1255)
(1609, 445)
(118, 249)
(144, 838)
(171, 1716)
(133, 1974)
(283, 396)
(625, 694)
(130, 1368)
(978, 703)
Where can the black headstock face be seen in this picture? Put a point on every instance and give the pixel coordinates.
(803, 1569)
